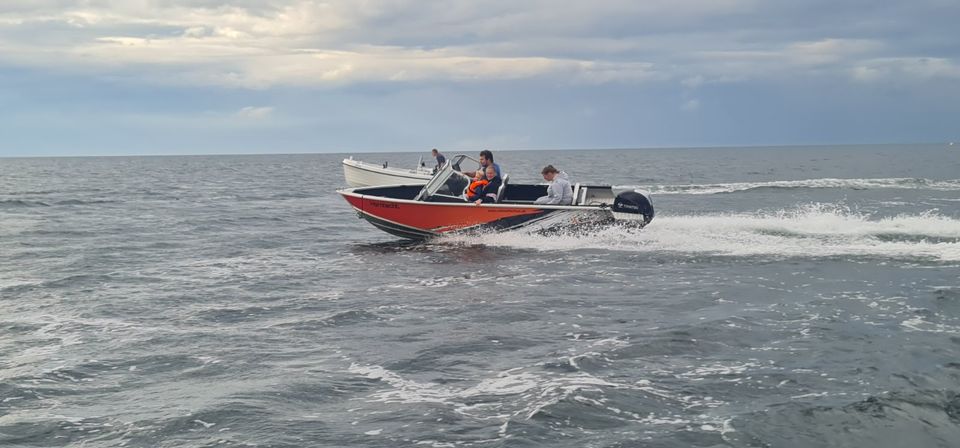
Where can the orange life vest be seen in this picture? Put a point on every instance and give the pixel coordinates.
(477, 187)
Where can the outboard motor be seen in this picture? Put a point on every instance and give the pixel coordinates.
(633, 205)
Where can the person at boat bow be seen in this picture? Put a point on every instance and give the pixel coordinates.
(440, 159)
(487, 187)
(559, 191)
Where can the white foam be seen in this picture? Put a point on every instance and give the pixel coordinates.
(811, 395)
(205, 424)
(700, 372)
(523, 392)
(816, 230)
(510, 382)
(855, 184)
(918, 324)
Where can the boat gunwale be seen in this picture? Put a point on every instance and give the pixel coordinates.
(351, 192)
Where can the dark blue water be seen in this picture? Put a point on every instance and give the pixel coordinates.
(786, 297)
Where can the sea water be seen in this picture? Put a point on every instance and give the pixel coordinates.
(781, 297)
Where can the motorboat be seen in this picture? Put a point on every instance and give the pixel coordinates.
(363, 174)
(439, 207)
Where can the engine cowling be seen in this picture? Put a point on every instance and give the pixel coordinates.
(633, 205)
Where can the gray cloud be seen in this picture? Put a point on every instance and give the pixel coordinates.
(258, 44)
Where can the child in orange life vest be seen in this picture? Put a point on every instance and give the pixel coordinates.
(476, 188)
(486, 188)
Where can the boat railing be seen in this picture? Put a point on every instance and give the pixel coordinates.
(385, 166)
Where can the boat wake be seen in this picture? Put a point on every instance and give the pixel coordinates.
(850, 184)
(811, 231)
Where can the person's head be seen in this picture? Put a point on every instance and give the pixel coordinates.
(491, 172)
(435, 152)
(549, 172)
(486, 157)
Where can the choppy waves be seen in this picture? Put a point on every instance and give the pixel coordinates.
(916, 418)
(238, 301)
(552, 394)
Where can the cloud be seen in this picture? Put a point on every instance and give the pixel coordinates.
(255, 113)
(262, 44)
(475, 144)
(829, 51)
(691, 105)
(910, 69)
(216, 61)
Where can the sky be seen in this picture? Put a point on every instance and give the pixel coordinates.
(111, 77)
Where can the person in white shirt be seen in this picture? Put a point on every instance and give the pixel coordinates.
(559, 192)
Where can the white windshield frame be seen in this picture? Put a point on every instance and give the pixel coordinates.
(451, 168)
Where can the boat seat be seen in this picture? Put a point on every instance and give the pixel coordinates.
(582, 199)
(503, 187)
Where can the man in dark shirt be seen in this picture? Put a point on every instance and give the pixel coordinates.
(440, 159)
(486, 160)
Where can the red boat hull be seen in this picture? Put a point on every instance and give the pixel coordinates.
(418, 220)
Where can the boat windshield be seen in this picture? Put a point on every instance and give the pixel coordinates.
(448, 181)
